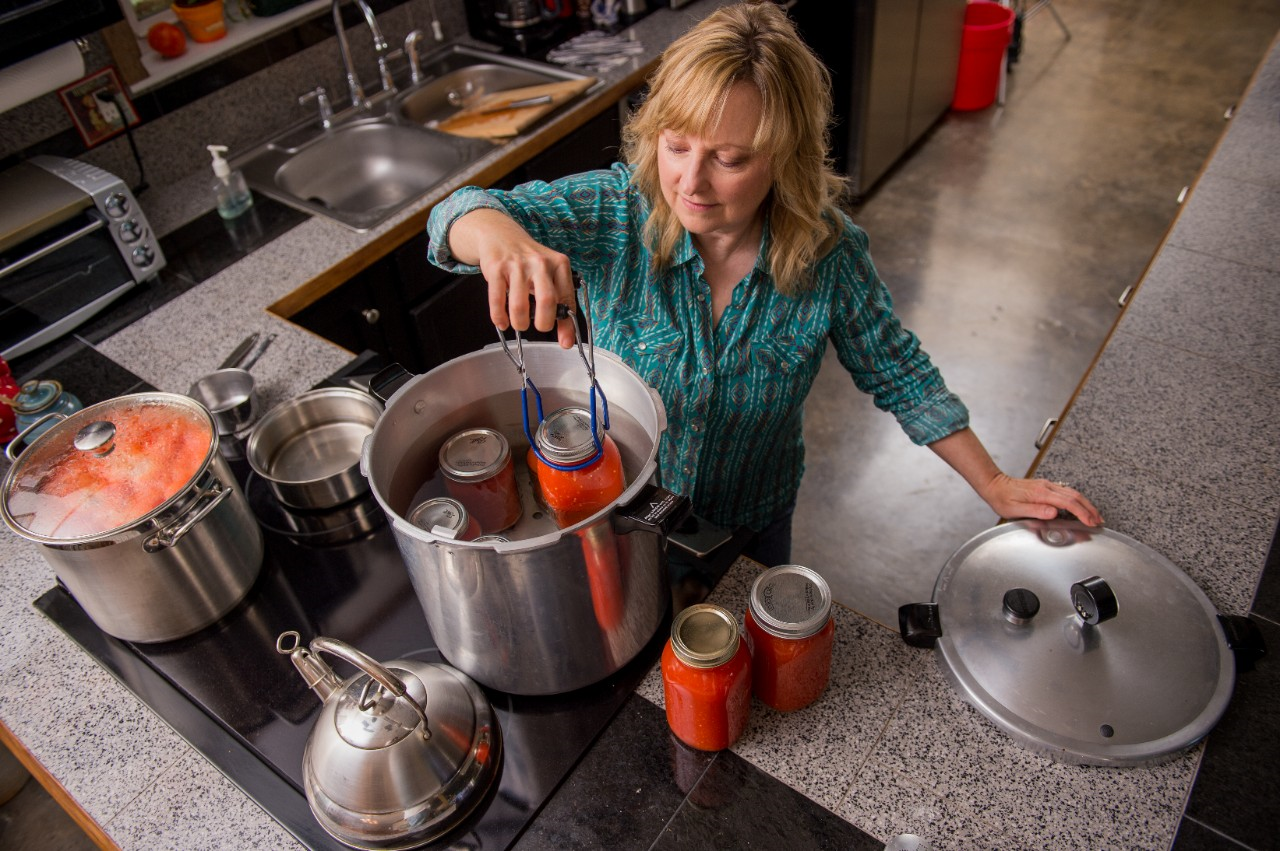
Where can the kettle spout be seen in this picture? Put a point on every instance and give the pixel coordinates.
(318, 676)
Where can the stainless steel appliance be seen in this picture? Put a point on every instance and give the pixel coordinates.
(72, 240)
(893, 74)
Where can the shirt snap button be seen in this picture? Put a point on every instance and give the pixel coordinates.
(642, 347)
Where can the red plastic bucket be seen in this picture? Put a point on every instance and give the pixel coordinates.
(988, 28)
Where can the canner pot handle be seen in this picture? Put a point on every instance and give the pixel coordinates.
(652, 509)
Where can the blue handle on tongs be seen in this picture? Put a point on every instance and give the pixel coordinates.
(526, 384)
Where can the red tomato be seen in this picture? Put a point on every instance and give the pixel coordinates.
(167, 40)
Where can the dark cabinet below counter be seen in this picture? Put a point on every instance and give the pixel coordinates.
(420, 316)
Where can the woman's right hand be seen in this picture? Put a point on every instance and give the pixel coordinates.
(515, 266)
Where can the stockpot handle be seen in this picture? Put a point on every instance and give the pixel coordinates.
(376, 672)
(10, 450)
(205, 503)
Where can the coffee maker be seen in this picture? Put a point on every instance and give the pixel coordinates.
(522, 26)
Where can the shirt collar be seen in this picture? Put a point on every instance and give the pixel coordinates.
(685, 252)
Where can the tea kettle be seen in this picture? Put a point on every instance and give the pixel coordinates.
(379, 773)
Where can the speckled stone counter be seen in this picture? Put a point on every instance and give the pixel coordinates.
(1174, 433)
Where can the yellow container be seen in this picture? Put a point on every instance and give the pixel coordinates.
(204, 22)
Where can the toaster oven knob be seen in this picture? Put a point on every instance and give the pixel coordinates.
(117, 204)
(130, 231)
(143, 256)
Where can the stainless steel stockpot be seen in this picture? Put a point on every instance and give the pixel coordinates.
(138, 515)
(550, 610)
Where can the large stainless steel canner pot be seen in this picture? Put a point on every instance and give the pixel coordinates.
(551, 610)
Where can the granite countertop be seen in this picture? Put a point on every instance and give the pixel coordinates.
(1174, 432)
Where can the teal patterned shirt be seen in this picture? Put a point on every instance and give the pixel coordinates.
(734, 390)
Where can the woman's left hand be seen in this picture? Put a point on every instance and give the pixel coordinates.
(1040, 498)
(1011, 498)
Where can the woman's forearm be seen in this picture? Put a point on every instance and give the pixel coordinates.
(1011, 497)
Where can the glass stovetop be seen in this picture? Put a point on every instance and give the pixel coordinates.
(240, 703)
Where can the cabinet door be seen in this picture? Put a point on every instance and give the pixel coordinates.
(363, 313)
(455, 320)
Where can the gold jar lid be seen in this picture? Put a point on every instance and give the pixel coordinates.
(704, 636)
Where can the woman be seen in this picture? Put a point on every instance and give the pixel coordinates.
(719, 268)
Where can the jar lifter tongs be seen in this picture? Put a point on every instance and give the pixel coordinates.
(516, 355)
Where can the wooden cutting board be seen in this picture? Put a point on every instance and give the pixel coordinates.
(486, 119)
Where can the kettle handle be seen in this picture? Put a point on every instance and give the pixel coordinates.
(374, 669)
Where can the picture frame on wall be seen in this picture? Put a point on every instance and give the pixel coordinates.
(98, 106)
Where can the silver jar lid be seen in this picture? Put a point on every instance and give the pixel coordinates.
(474, 455)
(565, 436)
(441, 516)
(704, 636)
(790, 601)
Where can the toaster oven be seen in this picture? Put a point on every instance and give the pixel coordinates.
(72, 240)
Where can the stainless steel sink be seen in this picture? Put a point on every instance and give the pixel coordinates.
(372, 163)
(457, 77)
(359, 174)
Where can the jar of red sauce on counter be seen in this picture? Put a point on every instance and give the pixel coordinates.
(790, 632)
(571, 496)
(706, 678)
(446, 518)
(479, 473)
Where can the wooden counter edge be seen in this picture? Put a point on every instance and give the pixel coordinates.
(385, 243)
(60, 795)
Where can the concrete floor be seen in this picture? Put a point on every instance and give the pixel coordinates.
(1006, 237)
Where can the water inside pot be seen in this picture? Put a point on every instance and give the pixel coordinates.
(501, 412)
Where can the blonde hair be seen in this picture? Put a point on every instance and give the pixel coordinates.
(756, 43)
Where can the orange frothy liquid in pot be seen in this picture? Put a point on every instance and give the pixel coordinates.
(158, 450)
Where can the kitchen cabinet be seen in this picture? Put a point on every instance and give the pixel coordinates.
(366, 312)
(893, 69)
(410, 311)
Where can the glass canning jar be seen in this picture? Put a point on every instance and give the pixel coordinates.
(790, 631)
(445, 517)
(572, 496)
(479, 473)
(706, 678)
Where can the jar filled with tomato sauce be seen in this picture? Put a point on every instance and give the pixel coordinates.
(446, 518)
(479, 473)
(790, 631)
(706, 678)
(571, 496)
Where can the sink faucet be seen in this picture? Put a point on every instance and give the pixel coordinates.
(379, 45)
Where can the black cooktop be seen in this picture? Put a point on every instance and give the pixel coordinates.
(240, 703)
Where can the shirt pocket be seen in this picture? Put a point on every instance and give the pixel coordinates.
(655, 353)
(786, 355)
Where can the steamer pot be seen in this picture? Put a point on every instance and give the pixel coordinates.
(551, 610)
(307, 448)
(137, 514)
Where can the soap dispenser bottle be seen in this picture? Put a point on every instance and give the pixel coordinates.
(229, 186)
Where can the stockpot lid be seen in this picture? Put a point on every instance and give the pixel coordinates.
(107, 467)
(1082, 642)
